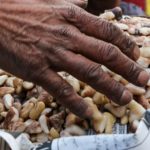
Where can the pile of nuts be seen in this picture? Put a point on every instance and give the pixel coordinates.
(29, 109)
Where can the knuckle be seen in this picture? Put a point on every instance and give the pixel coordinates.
(93, 73)
(111, 31)
(110, 53)
(39, 73)
(71, 10)
(65, 91)
(64, 31)
(127, 44)
(132, 71)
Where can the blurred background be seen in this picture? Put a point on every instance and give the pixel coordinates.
(129, 7)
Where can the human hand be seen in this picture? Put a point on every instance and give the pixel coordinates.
(38, 40)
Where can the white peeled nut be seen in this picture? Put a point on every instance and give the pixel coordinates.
(100, 99)
(53, 105)
(136, 111)
(116, 111)
(17, 105)
(125, 119)
(88, 91)
(54, 133)
(17, 126)
(133, 30)
(107, 15)
(8, 101)
(97, 116)
(145, 52)
(6, 90)
(9, 81)
(117, 77)
(114, 104)
(41, 137)
(135, 89)
(46, 111)
(16, 116)
(72, 119)
(99, 125)
(110, 121)
(146, 42)
(3, 78)
(73, 130)
(12, 116)
(27, 85)
(43, 123)
(96, 113)
(2, 72)
(36, 111)
(4, 114)
(73, 82)
(25, 111)
(1, 107)
(28, 122)
(147, 70)
(31, 100)
(122, 26)
(143, 62)
(144, 31)
(18, 85)
(33, 127)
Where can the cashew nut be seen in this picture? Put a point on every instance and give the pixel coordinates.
(3, 78)
(33, 128)
(36, 110)
(100, 99)
(135, 89)
(6, 90)
(73, 130)
(136, 111)
(43, 120)
(88, 91)
(24, 113)
(54, 133)
(116, 111)
(8, 100)
(27, 85)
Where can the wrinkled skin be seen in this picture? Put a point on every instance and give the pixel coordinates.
(38, 39)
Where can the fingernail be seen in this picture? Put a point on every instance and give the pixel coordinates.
(136, 53)
(143, 78)
(125, 98)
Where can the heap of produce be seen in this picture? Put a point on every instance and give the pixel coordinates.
(29, 109)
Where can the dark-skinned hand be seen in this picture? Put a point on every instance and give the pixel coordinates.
(37, 40)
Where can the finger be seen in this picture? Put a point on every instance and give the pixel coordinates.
(110, 56)
(63, 92)
(101, 29)
(80, 3)
(91, 73)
